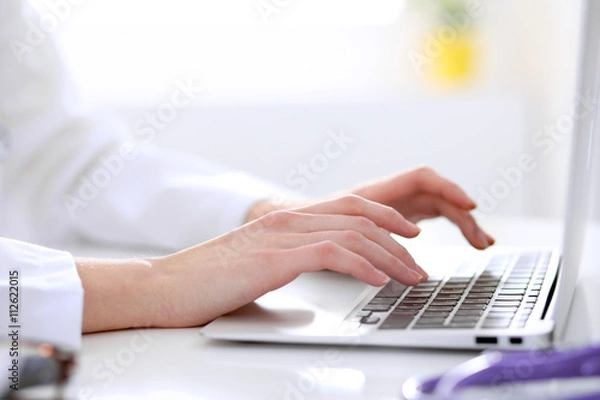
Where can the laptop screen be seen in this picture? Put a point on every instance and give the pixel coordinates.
(584, 131)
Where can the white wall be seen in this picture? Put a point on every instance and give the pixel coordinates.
(474, 140)
(273, 88)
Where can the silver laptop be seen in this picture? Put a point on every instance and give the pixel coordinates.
(500, 298)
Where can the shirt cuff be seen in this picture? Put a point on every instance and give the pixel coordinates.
(42, 294)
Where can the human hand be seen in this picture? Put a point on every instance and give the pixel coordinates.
(420, 194)
(349, 235)
(416, 194)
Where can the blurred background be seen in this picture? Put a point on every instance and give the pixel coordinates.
(320, 95)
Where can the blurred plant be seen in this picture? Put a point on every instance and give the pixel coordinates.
(447, 49)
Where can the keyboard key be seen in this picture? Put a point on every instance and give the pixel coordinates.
(377, 307)
(414, 300)
(370, 320)
(405, 311)
(426, 289)
(440, 308)
(468, 313)
(520, 275)
(458, 280)
(496, 309)
(361, 314)
(476, 301)
(517, 286)
(504, 292)
(436, 302)
(483, 289)
(461, 325)
(492, 275)
(536, 286)
(508, 298)
(417, 293)
(427, 314)
(455, 286)
(429, 323)
(397, 321)
(466, 318)
(500, 315)
(445, 290)
(472, 306)
(429, 283)
(392, 289)
(479, 295)
(448, 297)
(517, 281)
(497, 323)
(383, 300)
(506, 303)
(484, 281)
(416, 305)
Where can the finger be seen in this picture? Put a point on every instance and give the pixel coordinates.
(357, 243)
(426, 179)
(352, 205)
(329, 255)
(467, 224)
(304, 223)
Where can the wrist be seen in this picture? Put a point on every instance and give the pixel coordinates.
(266, 206)
(260, 208)
(120, 294)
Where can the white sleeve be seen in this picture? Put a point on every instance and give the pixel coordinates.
(161, 198)
(41, 297)
(68, 171)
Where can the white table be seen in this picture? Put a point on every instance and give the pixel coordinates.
(180, 364)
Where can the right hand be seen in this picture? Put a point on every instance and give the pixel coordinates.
(349, 235)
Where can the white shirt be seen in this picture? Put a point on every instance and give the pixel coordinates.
(65, 172)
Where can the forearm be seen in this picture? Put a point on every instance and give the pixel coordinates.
(119, 294)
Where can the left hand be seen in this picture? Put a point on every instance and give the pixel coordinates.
(420, 194)
(417, 194)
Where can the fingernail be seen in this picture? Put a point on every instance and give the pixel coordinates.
(412, 226)
(423, 273)
(381, 277)
(490, 239)
(416, 276)
(483, 239)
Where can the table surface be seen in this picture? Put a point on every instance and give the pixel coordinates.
(181, 364)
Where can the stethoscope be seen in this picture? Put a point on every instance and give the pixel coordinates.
(494, 374)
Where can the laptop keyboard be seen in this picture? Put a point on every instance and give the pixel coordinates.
(502, 294)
